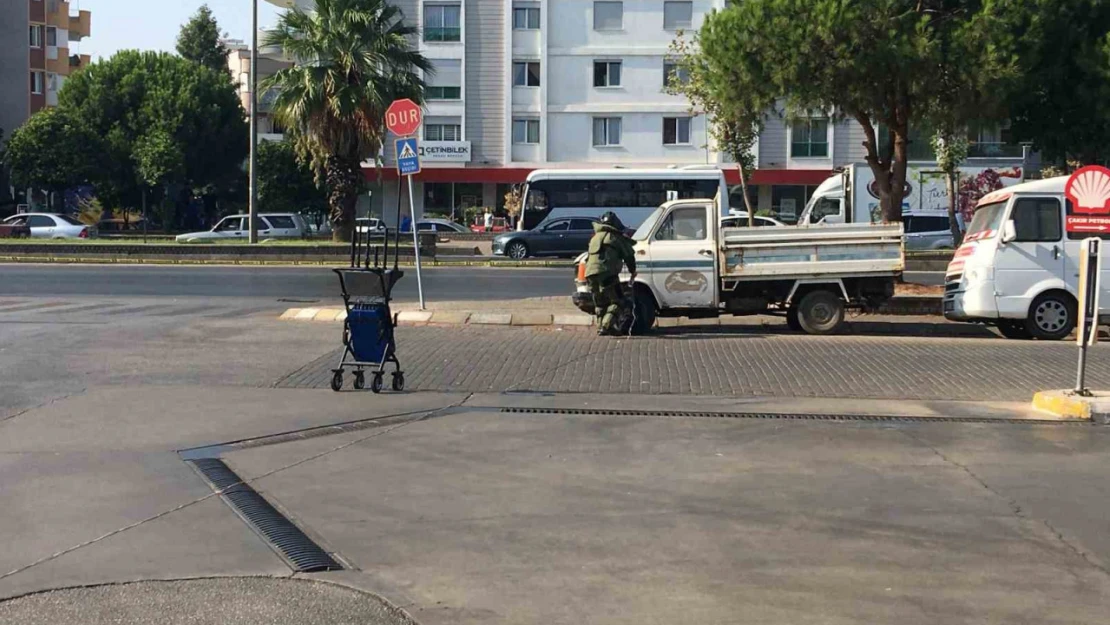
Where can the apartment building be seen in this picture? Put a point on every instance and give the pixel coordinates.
(36, 55)
(269, 63)
(527, 84)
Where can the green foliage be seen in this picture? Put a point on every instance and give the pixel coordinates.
(352, 58)
(199, 41)
(734, 124)
(951, 149)
(1064, 57)
(53, 150)
(880, 62)
(285, 182)
(6, 199)
(134, 98)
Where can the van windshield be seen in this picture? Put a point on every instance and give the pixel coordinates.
(987, 221)
(647, 225)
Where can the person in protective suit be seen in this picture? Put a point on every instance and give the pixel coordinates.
(609, 250)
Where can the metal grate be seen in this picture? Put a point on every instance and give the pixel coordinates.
(777, 415)
(292, 544)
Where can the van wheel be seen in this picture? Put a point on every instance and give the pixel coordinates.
(1013, 329)
(821, 312)
(1052, 316)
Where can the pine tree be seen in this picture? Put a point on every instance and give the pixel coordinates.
(199, 41)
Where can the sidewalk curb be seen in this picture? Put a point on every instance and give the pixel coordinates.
(131, 260)
(1068, 406)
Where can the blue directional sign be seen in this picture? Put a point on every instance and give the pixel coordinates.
(408, 161)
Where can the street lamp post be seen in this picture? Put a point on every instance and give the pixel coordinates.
(253, 219)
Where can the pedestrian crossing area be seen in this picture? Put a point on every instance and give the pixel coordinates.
(69, 309)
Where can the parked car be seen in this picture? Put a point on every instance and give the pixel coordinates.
(927, 232)
(499, 224)
(270, 226)
(439, 225)
(369, 224)
(52, 226)
(741, 221)
(567, 236)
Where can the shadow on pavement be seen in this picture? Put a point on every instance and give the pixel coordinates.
(909, 328)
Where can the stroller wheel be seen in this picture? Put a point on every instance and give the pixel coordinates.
(360, 380)
(337, 381)
(376, 383)
(398, 381)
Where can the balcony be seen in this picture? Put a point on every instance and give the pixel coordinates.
(57, 60)
(443, 34)
(57, 13)
(77, 61)
(80, 25)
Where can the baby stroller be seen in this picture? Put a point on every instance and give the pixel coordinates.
(368, 340)
(368, 330)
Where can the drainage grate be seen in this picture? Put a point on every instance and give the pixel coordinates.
(296, 548)
(777, 415)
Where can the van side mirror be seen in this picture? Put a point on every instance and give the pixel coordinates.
(1009, 231)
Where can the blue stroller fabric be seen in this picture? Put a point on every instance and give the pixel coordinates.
(371, 331)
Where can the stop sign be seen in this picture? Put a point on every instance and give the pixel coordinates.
(402, 117)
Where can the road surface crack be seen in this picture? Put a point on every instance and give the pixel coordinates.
(1014, 506)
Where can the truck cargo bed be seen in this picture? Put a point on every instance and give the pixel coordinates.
(827, 250)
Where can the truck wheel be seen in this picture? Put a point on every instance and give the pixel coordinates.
(820, 312)
(1013, 329)
(792, 319)
(1052, 316)
(645, 314)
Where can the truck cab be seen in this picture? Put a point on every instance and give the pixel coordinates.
(1017, 268)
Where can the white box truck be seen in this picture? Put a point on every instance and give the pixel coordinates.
(851, 196)
(689, 266)
(1018, 268)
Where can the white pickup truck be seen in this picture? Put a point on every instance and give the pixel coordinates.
(688, 266)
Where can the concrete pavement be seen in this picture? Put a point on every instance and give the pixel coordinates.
(486, 513)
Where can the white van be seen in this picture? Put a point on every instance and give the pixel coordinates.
(1017, 268)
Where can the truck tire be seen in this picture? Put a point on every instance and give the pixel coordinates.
(821, 312)
(645, 313)
(1052, 316)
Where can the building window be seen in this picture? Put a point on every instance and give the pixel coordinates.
(526, 18)
(676, 131)
(51, 81)
(36, 82)
(526, 74)
(607, 131)
(51, 36)
(36, 36)
(526, 131)
(446, 82)
(443, 132)
(441, 22)
(608, 16)
(678, 15)
(810, 137)
(607, 73)
(674, 74)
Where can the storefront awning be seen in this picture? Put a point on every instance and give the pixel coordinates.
(808, 177)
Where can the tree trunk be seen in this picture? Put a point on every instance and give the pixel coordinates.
(343, 175)
(744, 190)
(953, 224)
(892, 208)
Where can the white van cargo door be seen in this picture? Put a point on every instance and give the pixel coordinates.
(1035, 260)
(683, 258)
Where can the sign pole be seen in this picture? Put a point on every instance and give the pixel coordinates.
(1090, 274)
(416, 245)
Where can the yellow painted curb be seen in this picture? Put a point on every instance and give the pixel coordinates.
(1063, 405)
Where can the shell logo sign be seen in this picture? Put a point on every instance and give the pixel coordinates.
(1088, 190)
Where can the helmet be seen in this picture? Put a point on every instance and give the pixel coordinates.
(610, 219)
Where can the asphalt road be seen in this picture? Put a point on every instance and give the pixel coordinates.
(294, 283)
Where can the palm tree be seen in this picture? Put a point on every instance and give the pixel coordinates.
(351, 59)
